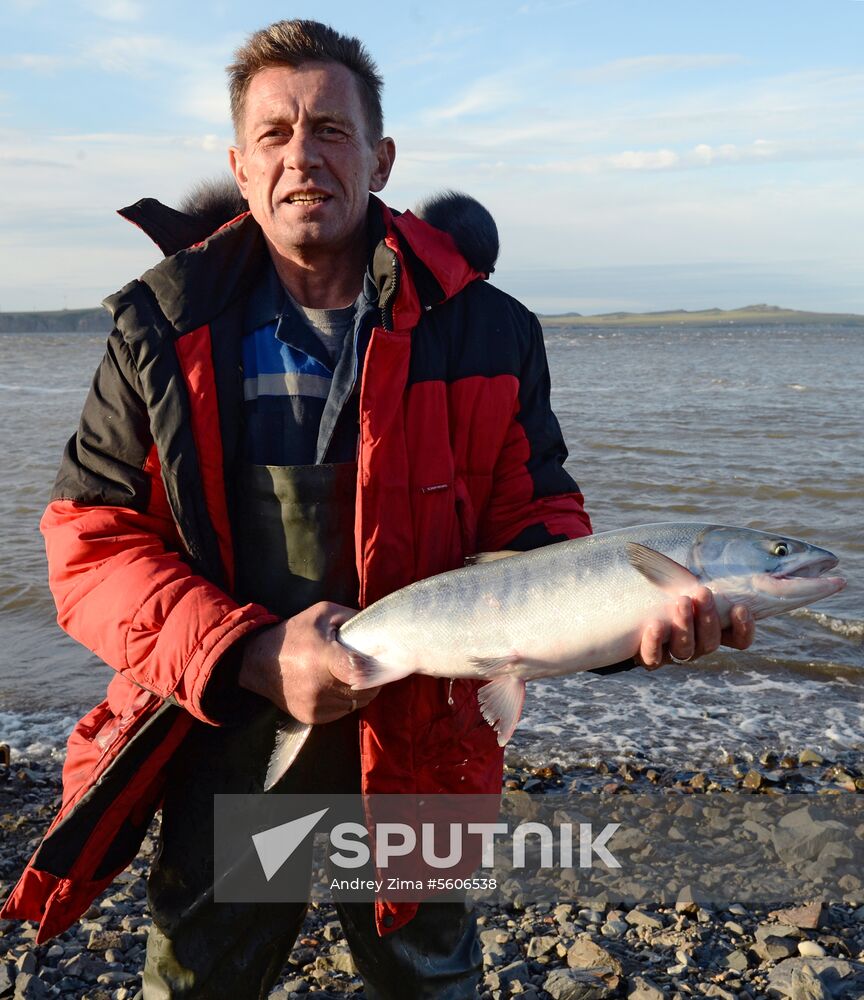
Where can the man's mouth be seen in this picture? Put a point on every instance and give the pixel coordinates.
(307, 199)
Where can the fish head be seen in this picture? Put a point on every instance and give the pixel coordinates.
(769, 573)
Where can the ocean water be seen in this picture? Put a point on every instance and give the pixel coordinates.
(760, 427)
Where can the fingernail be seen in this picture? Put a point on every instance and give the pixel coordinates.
(742, 615)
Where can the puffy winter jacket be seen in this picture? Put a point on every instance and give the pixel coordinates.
(459, 452)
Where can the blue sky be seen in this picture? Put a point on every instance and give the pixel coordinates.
(645, 154)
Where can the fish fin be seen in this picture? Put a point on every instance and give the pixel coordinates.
(501, 702)
(488, 666)
(662, 571)
(478, 558)
(290, 737)
(367, 672)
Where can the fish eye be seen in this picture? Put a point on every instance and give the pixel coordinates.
(780, 549)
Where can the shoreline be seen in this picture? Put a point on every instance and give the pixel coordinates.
(533, 951)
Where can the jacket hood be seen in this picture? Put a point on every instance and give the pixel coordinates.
(212, 204)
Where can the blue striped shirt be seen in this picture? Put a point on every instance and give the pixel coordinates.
(299, 408)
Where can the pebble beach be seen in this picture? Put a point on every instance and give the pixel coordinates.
(565, 950)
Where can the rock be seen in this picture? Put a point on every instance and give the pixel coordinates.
(806, 985)
(718, 991)
(642, 919)
(55, 951)
(294, 986)
(614, 928)
(811, 949)
(27, 963)
(810, 757)
(502, 978)
(775, 930)
(642, 988)
(29, 987)
(342, 961)
(569, 984)
(115, 978)
(799, 837)
(542, 945)
(5, 979)
(734, 928)
(775, 949)
(687, 901)
(586, 954)
(563, 913)
(737, 960)
(753, 780)
(101, 940)
(831, 972)
(808, 917)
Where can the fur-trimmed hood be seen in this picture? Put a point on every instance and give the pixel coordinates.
(212, 204)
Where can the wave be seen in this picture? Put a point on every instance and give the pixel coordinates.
(849, 628)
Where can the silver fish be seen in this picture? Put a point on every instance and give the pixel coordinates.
(574, 606)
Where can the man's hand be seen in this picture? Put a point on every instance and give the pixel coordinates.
(302, 669)
(694, 631)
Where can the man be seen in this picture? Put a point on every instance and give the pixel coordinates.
(237, 487)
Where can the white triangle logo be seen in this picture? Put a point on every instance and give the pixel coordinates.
(276, 845)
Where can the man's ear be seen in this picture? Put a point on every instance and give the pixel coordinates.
(238, 167)
(385, 153)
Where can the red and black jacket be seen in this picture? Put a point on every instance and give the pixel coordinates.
(459, 453)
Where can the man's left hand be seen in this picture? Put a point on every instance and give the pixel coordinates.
(694, 631)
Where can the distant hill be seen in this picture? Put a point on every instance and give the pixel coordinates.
(98, 321)
(58, 321)
(758, 314)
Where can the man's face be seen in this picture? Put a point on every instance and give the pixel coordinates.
(305, 162)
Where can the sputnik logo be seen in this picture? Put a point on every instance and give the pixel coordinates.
(276, 845)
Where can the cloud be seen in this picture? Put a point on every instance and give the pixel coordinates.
(37, 62)
(621, 69)
(137, 55)
(115, 10)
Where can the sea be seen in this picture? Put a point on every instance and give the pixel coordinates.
(758, 426)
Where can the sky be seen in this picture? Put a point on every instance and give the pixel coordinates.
(636, 154)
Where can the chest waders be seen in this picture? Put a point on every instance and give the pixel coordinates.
(294, 546)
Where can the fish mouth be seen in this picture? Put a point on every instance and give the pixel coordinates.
(806, 581)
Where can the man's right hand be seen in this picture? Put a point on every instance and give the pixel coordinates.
(301, 667)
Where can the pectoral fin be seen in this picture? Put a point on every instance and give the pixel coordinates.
(501, 703)
(662, 571)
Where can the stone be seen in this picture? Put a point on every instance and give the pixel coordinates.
(811, 949)
(642, 919)
(737, 960)
(115, 978)
(808, 917)
(614, 928)
(101, 940)
(718, 991)
(570, 984)
(687, 901)
(541, 945)
(641, 988)
(810, 757)
(55, 951)
(27, 963)
(798, 837)
(587, 954)
(332, 931)
(831, 972)
(806, 985)
(342, 961)
(501, 979)
(775, 949)
(295, 986)
(5, 979)
(29, 987)
(771, 929)
(734, 928)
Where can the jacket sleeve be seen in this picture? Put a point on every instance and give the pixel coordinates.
(534, 501)
(116, 568)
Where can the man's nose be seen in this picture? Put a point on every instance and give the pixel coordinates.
(302, 151)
